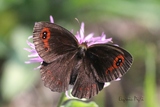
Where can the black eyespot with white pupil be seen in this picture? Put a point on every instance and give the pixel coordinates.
(119, 61)
(44, 35)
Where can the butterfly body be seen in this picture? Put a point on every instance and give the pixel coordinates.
(66, 61)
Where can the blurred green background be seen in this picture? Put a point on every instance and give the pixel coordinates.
(133, 24)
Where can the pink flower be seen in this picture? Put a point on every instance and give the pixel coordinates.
(89, 38)
(34, 57)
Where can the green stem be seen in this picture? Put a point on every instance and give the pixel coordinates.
(61, 99)
(150, 77)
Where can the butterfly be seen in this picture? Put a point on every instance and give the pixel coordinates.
(68, 62)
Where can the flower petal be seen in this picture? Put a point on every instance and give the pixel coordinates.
(51, 19)
(82, 32)
(88, 37)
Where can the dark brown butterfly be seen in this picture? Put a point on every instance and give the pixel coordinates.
(65, 61)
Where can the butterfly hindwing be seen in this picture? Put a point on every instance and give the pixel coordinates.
(56, 75)
(108, 61)
(52, 41)
(86, 85)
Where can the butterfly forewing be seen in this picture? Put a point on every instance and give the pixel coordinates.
(56, 75)
(52, 41)
(108, 61)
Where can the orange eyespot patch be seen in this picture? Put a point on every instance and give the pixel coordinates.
(45, 36)
(118, 61)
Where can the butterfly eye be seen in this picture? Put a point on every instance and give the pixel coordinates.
(44, 35)
(118, 61)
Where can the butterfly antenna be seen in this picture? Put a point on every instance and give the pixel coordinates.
(77, 20)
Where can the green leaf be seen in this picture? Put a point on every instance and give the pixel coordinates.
(78, 103)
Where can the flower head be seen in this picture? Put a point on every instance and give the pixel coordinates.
(89, 39)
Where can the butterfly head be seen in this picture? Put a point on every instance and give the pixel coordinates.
(82, 49)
